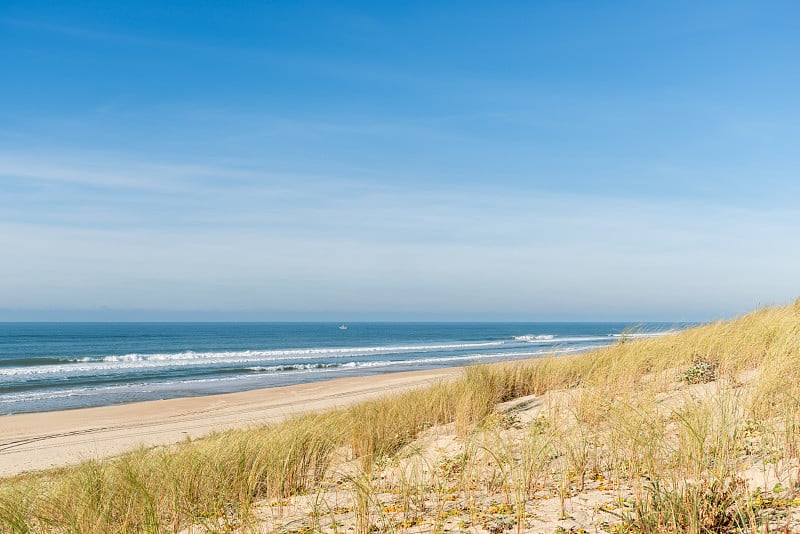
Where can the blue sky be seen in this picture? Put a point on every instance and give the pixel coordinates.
(409, 160)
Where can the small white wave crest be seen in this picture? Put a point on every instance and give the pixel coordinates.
(635, 335)
(280, 354)
(534, 337)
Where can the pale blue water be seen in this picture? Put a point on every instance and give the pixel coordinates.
(54, 366)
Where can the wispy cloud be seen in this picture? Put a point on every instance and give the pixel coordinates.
(114, 170)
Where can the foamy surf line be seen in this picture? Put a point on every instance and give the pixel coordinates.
(244, 355)
(188, 358)
(300, 353)
(348, 368)
(550, 339)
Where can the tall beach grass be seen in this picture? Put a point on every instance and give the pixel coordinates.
(666, 422)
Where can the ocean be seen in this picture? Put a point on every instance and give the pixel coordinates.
(56, 366)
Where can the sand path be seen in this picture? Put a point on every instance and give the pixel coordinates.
(30, 442)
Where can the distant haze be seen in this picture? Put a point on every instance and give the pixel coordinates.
(530, 161)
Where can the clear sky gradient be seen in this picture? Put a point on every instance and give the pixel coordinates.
(409, 160)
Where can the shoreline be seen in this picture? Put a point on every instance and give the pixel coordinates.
(50, 367)
(45, 440)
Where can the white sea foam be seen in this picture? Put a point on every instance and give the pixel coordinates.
(135, 361)
(548, 339)
(296, 353)
(534, 337)
(314, 366)
(86, 391)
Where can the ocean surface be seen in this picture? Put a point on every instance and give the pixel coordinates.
(56, 366)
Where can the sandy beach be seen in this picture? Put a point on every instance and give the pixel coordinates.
(36, 441)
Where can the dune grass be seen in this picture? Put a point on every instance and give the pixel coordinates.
(620, 414)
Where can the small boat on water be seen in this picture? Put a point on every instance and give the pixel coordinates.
(342, 327)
